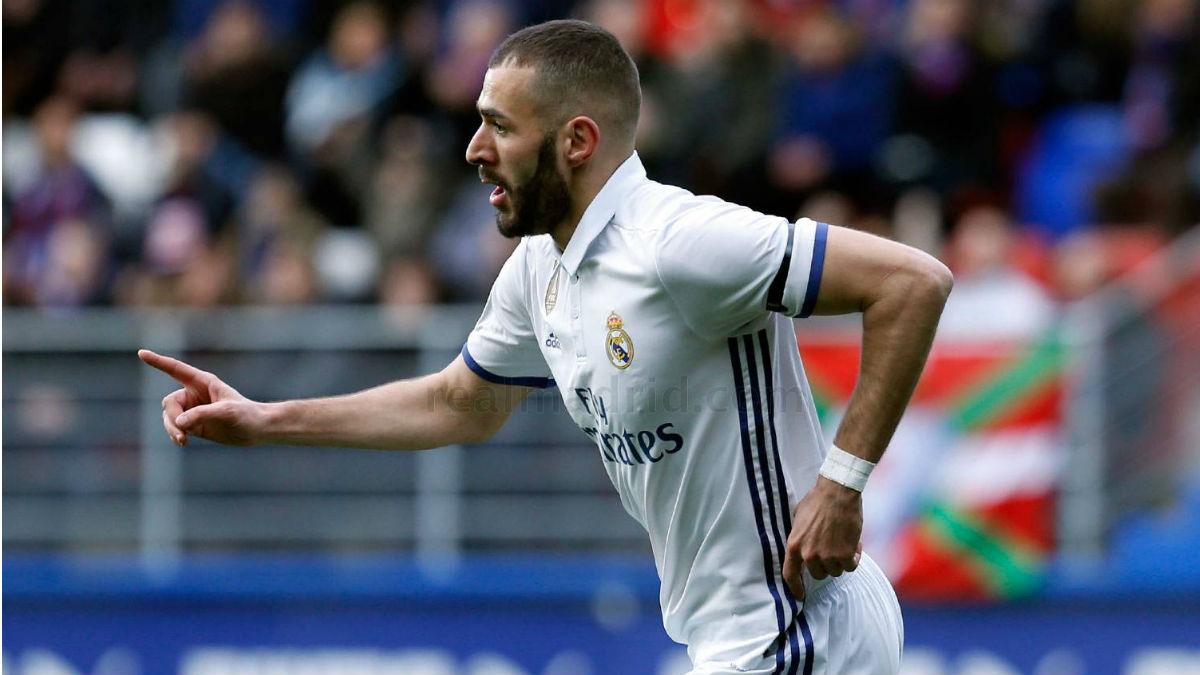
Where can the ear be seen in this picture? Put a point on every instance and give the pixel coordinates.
(583, 138)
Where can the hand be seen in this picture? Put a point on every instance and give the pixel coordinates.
(205, 407)
(826, 534)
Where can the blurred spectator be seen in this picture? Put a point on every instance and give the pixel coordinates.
(418, 36)
(331, 103)
(1012, 38)
(34, 46)
(406, 191)
(829, 206)
(945, 102)
(836, 111)
(918, 220)
(286, 277)
(1081, 265)
(186, 246)
(408, 282)
(345, 80)
(1186, 89)
(1161, 33)
(195, 136)
(190, 18)
(472, 30)
(181, 263)
(625, 19)
(278, 235)
(56, 249)
(235, 73)
(101, 80)
(714, 99)
(404, 202)
(832, 206)
(88, 50)
(993, 298)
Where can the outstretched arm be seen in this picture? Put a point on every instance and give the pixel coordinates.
(900, 292)
(445, 408)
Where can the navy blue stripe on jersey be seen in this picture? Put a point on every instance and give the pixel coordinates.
(752, 482)
(814, 271)
(784, 504)
(536, 382)
(775, 291)
(774, 507)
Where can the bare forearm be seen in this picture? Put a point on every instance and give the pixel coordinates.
(900, 292)
(405, 415)
(898, 330)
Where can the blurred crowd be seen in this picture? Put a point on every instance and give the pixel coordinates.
(205, 152)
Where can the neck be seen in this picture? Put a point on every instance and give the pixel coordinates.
(561, 233)
(587, 184)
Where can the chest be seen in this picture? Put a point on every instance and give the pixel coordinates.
(619, 352)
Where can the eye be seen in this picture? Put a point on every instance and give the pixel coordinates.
(500, 128)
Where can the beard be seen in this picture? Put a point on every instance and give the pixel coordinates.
(539, 203)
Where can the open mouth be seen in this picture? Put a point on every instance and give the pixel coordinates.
(499, 196)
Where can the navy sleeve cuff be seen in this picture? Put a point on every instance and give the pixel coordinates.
(535, 382)
(814, 273)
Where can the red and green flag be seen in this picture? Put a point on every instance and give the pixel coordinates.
(964, 498)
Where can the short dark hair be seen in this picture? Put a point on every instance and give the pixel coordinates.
(580, 68)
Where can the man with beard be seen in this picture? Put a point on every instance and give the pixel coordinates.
(622, 287)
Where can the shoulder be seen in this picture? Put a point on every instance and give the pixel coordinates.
(666, 215)
(706, 228)
(670, 210)
(650, 207)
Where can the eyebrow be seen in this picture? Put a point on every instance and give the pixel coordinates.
(491, 112)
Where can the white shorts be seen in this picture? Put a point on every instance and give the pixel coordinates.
(855, 625)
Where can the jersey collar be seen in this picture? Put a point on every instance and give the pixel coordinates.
(601, 210)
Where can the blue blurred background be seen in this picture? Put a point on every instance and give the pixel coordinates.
(275, 190)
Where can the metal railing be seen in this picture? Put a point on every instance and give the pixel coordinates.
(87, 465)
(1133, 416)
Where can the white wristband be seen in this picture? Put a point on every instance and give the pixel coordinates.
(846, 469)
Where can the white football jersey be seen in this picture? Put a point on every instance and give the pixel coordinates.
(666, 326)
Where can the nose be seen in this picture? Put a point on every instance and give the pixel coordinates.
(480, 150)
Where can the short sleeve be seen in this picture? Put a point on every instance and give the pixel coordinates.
(503, 346)
(725, 266)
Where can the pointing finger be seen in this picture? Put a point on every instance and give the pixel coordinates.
(182, 372)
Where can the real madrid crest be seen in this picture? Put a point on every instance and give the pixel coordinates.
(552, 289)
(618, 344)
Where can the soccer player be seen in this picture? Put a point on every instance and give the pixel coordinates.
(622, 290)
